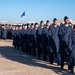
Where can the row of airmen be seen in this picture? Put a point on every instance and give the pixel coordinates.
(47, 41)
(5, 32)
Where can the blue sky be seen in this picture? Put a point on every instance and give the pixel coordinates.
(36, 10)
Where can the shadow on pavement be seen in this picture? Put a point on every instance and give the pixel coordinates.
(10, 53)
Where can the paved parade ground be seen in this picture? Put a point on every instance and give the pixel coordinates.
(14, 62)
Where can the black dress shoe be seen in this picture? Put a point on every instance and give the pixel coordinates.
(44, 59)
(51, 63)
(61, 67)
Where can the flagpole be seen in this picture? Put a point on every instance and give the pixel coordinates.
(23, 19)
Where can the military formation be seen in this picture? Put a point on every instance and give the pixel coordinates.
(5, 31)
(47, 41)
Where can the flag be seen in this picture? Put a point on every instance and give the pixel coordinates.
(23, 14)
